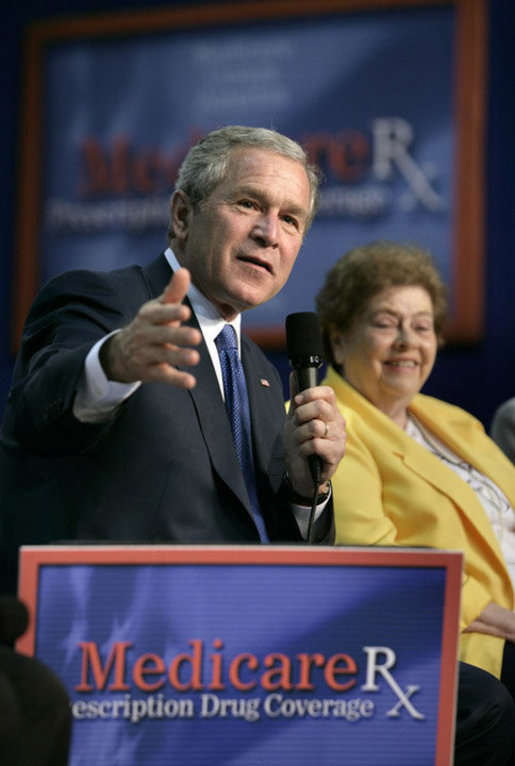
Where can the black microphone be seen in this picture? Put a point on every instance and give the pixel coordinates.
(304, 348)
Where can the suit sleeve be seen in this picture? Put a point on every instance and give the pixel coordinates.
(67, 318)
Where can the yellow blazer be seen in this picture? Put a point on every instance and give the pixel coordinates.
(389, 490)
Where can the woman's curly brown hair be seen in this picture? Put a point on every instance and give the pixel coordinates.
(365, 271)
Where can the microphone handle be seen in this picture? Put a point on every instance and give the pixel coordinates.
(306, 377)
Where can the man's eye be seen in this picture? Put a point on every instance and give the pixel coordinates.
(290, 221)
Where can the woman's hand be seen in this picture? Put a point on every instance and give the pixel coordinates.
(494, 620)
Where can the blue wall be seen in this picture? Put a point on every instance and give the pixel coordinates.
(478, 377)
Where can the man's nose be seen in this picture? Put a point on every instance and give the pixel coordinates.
(266, 229)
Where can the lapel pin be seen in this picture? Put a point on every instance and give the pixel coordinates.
(264, 382)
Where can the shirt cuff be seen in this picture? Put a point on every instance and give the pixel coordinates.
(97, 398)
(303, 512)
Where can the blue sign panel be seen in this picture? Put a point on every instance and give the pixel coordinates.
(246, 660)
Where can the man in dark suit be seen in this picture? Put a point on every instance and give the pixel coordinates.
(116, 428)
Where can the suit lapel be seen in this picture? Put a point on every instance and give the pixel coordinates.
(206, 396)
(432, 470)
(156, 276)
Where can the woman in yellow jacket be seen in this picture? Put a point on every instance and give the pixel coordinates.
(417, 471)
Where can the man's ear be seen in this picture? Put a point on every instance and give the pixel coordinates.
(180, 214)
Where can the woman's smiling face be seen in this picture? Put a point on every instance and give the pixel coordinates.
(390, 350)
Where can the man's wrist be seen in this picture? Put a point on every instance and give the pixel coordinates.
(294, 497)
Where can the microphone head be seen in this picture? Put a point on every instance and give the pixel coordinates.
(303, 341)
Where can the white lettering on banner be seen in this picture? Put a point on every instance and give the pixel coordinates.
(214, 706)
(392, 138)
(131, 709)
(135, 710)
(276, 705)
(373, 668)
(354, 202)
(130, 214)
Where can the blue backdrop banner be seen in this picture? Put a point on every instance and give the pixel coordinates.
(370, 98)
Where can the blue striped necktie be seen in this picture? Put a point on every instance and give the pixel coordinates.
(237, 404)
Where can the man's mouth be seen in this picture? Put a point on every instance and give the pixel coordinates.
(256, 262)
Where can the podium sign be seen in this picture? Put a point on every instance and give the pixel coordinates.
(249, 655)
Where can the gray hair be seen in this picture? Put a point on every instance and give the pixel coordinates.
(205, 165)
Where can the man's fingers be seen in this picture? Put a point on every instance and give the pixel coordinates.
(164, 373)
(177, 288)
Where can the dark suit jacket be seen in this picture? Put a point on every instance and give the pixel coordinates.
(163, 467)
